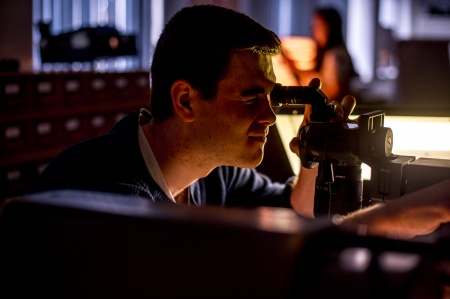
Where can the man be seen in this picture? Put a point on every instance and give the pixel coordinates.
(210, 114)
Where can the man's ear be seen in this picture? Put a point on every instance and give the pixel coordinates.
(182, 94)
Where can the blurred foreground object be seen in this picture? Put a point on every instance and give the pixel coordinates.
(75, 244)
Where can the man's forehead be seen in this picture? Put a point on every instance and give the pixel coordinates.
(246, 64)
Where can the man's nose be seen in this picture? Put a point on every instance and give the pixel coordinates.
(267, 115)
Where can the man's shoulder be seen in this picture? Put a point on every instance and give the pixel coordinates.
(90, 148)
(120, 139)
(93, 164)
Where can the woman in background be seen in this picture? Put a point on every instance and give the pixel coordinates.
(333, 64)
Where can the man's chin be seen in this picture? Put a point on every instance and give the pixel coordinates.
(252, 163)
(249, 159)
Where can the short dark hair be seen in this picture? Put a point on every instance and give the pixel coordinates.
(196, 45)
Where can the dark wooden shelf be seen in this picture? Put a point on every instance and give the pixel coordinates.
(43, 113)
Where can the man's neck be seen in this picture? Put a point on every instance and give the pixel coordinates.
(174, 156)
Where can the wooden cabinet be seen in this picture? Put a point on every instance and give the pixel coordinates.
(43, 113)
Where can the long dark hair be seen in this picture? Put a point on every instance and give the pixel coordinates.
(335, 37)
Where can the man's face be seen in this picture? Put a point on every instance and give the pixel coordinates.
(232, 127)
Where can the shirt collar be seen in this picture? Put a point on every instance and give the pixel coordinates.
(150, 159)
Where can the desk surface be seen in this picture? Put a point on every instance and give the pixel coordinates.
(75, 244)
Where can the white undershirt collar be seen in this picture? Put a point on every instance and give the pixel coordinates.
(151, 163)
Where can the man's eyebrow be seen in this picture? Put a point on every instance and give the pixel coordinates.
(252, 91)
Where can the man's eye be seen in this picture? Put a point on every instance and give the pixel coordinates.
(251, 101)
